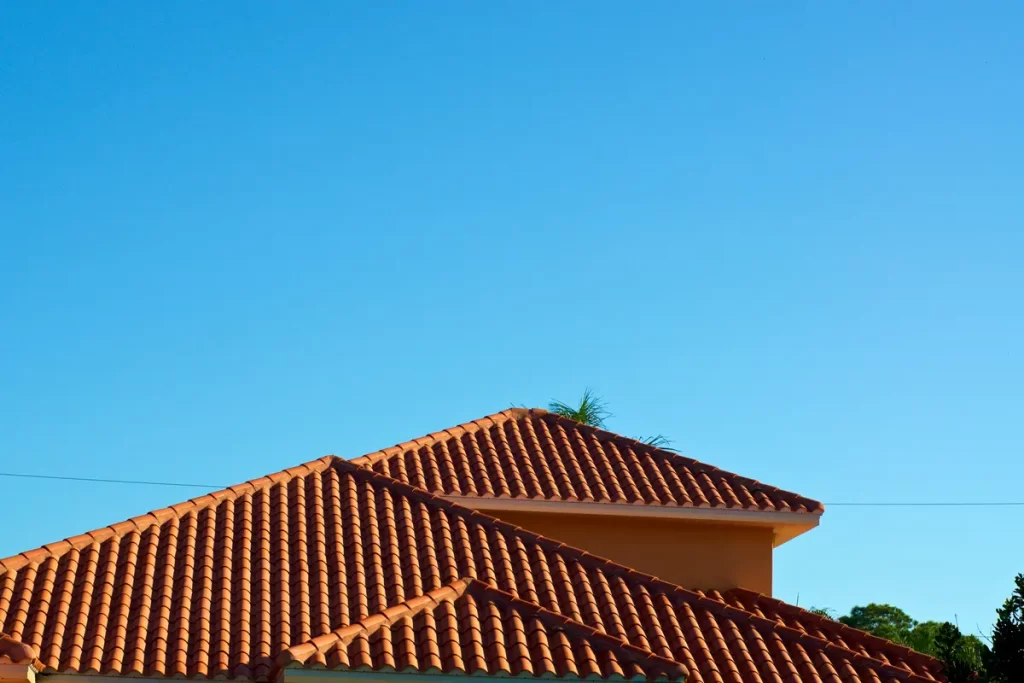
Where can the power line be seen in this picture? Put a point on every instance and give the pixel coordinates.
(960, 504)
(91, 480)
(111, 481)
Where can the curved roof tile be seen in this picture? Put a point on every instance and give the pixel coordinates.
(531, 454)
(341, 560)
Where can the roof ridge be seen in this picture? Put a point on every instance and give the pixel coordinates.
(157, 517)
(672, 591)
(369, 459)
(301, 652)
(877, 641)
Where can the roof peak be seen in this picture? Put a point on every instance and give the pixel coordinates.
(543, 465)
(367, 462)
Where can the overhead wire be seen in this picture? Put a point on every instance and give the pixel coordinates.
(137, 482)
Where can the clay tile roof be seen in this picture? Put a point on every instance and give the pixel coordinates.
(468, 627)
(332, 564)
(827, 629)
(530, 454)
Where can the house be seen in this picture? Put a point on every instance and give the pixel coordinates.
(521, 545)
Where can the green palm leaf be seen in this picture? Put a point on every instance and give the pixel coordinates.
(591, 410)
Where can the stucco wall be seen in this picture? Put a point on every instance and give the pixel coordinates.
(691, 554)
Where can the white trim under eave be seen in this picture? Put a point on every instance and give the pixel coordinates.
(758, 517)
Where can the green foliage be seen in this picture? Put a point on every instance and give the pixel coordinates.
(592, 410)
(884, 621)
(922, 637)
(962, 655)
(966, 658)
(1005, 662)
(892, 623)
(659, 441)
(826, 612)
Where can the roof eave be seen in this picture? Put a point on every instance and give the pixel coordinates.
(786, 525)
(298, 675)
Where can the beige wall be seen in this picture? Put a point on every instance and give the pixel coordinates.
(688, 553)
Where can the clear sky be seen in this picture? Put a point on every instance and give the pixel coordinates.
(236, 237)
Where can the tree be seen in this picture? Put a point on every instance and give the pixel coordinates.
(923, 637)
(892, 623)
(961, 655)
(592, 410)
(1005, 662)
(884, 621)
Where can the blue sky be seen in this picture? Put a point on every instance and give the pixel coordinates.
(788, 236)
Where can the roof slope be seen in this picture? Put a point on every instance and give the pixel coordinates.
(826, 629)
(536, 455)
(225, 585)
(469, 627)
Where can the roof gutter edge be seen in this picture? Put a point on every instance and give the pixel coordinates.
(759, 517)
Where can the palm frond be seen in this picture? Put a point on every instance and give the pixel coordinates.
(827, 612)
(592, 410)
(658, 441)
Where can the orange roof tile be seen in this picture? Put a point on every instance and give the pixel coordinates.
(826, 629)
(536, 455)
(331, 564)
(468, 627)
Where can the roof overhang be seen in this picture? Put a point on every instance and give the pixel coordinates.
(786, 525)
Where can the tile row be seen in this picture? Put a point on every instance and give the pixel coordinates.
(532, 454)
(224, 586)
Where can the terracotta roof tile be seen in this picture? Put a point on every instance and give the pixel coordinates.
(349, 562)
(452, 629)
(826, 629)
(535, 455)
